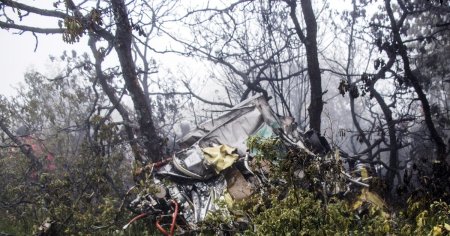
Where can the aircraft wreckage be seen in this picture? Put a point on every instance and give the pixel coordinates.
(216, 166)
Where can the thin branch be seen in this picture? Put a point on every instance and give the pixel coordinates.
(34, 10)
(204, 100)
(25, 149)
(32, 29)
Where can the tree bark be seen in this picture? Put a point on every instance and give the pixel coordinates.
(310, 41)
(122, 44)
(393, 145)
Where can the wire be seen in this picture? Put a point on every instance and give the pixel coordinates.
(135, 219)
(174, 221)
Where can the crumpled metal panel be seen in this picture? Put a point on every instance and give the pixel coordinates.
(203, 129)
(191, 163)
(234, 127)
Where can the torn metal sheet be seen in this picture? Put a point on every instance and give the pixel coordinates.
(191, 163)
(234, 127)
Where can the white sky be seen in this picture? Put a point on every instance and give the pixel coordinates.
(17, 51)
(17, 56)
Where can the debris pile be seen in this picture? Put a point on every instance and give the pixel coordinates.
(247, 151)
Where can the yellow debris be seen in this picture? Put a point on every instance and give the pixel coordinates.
(221, 157)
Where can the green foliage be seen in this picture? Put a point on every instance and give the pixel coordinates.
(422, 218)
(83, 191)
(218, 219)
(297, 167)
(80, 200)
(266, 148)
(12, 177)
(305, 211)
(297, 213)
(74, 30)
(302, 213)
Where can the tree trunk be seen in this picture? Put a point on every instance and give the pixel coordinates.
(441, 147)
(393, 146)
(122, 44)
(310, 41)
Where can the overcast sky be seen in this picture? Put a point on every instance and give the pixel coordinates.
(17, 56)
